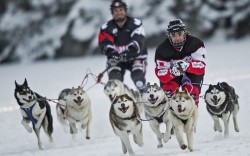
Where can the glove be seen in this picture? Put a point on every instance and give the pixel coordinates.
(109, 50)
(133, 47)
(175, 71)
(184, 65)
(113, 58)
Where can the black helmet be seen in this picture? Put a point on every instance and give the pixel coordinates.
(116, 4)
(175, 26)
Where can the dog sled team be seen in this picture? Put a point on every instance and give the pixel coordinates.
(129, 109)
(180, 67)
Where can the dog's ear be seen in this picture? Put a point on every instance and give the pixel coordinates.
(17, 85)
(148, 84)
(186, 91)
(155, 84)
(25, 82)
(210, 86)
(177, 91)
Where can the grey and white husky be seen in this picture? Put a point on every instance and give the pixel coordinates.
(115, 87)
(222, 101)
(184, 115)
(123, 117)
(74, 106)
(156, 109)
(35, 109)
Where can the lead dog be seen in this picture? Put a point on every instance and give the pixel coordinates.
(115, 87)
(123, 117)
(222, 101)
(156, 109)
(184, 116)
(74, 106)
(35, 109)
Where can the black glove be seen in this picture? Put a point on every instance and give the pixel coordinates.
(113, 58)
(133, 47)
(129, 56)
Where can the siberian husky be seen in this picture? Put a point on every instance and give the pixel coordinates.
(222, 101)
(156, 109)
(115, 87)
(184, 115)
(123, 117)
(74, 107)
(35, 109)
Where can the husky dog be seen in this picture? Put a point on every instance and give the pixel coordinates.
(156, 109)
(222, 101)
(123, 117)
(35, 109)
(74, 107)
(114, 88)
(184, 115)
(117, 87)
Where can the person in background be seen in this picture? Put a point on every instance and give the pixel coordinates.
(122, 40)
(180, 56)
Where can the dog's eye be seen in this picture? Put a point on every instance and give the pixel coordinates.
(80, 93)
(23, 92)
(75, 94)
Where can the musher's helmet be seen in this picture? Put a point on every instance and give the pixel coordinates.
(116, 4)
(176, 26)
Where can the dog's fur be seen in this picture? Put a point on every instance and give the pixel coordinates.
(35, 109)
(123, 117)
(115, 87)
(222, 101)
(156, 109)
(184, 115)
(74, 106)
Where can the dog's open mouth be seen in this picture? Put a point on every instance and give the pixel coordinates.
(215, 101)
(181, 110)
(29, 100)
(123, 109)
(78, 101)
(112, 97)
(153, 100)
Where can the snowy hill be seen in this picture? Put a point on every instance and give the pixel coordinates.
(226, 62)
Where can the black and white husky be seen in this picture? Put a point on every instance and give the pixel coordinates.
(222, 101)
(74, 107)
(156, 109)
(123, 117)
(35, 109)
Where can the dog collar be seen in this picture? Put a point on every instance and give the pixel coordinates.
(129, 118)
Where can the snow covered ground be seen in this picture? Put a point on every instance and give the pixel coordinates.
(227, 61)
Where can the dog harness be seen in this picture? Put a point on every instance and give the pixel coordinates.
(159, 117)
(182, 120)
(28, 111)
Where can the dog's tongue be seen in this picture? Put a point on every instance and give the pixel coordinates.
(124, 109)
(78, 102)
(181, 110)
(152, 101)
